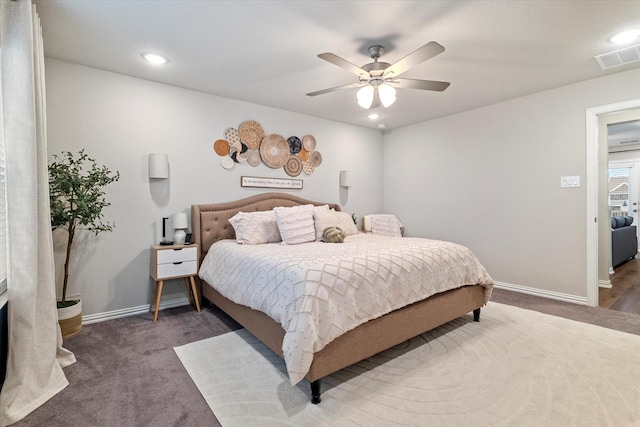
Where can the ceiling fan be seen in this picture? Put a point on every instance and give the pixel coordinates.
(378, 80)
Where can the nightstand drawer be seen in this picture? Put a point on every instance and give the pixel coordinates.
(184, 268)
(167, 256)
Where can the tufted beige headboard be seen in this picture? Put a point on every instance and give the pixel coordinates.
(210, 223)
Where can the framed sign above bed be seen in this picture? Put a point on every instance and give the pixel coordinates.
(254, 181)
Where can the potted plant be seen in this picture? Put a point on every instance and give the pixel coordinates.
(77, 198)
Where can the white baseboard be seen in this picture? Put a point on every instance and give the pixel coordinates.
(605, 284)
(132, 311)
(542, 293)
(141, 309)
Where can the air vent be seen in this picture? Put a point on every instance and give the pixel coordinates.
(619, 57)
(630, 142)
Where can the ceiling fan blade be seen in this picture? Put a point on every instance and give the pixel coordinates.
(419, 84)
(416, 57)
(333, 89)
(343, 63)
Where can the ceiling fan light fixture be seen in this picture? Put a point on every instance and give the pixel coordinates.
(154, 58)
(387, 94)
(625, 37)
(365, 96)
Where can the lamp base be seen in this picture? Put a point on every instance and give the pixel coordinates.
(179, 236)
(166, 243)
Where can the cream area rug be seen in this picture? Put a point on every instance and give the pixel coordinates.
(514, 368)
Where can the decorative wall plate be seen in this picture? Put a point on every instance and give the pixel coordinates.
(221, 147)
(253, 158)
(293, 166)
(231, 135)
(316, 158)
(274, 151)
(308, 167)
(304, 155)
(227, 162)
(251, 134)
(309, 142)
(295, 145)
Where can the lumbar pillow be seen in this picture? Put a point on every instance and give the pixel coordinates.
(333, 235)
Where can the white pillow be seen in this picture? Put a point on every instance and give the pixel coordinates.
(332, 218)
(255, 228)
(296, 224)
(386, 225)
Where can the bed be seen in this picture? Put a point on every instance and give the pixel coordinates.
(210, 225)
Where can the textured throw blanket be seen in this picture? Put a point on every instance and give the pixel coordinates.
(318, 291)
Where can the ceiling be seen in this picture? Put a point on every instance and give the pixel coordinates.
(265, 52)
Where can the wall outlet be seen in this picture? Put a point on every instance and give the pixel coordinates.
(570, 181)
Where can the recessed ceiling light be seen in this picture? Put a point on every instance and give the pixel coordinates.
(382, 126)
(626, 36)
(374, 116)
(154, 58)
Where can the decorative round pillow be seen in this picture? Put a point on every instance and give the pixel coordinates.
(333, 235)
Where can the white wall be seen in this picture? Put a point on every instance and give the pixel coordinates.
(119, 120)
(490, 179)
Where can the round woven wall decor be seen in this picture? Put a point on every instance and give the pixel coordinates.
(253, 157)
(309, 142)
(316, 158)
(295, 145)
(274, 150)
(227, 162)
(304, 155)
(231, 135)
(221, 147)
(251, 134)
(308, 168)
(293, 166)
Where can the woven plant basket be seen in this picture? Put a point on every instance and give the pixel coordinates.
(70, 320)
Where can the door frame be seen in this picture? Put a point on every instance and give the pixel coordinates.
(592, 191)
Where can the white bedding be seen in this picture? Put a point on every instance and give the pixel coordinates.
(318, 291)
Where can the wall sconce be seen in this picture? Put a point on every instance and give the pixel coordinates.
(345, 179)
(179, 222)
(158, 166)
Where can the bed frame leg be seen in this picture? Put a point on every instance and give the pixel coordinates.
(315, 391)
(476, 315)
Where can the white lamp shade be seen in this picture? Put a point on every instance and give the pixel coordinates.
(387, 94)
(158, 165)
(365, 96)
(179, 221)
(345, 179)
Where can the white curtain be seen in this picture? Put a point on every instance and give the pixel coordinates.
(36, 358)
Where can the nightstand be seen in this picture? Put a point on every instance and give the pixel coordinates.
(174, 262)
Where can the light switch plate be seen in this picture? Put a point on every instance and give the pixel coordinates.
(570, 181)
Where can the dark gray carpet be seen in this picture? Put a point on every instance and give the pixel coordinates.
(128, 374)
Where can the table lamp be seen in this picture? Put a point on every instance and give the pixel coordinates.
(164, 241)
(179, 222)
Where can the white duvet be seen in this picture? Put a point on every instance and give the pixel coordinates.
(318, 291)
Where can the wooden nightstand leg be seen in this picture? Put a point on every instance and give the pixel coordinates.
(194, 291)
(159, 294)
(153, 296)
(189, 294)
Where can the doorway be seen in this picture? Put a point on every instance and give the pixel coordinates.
(598, 222)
